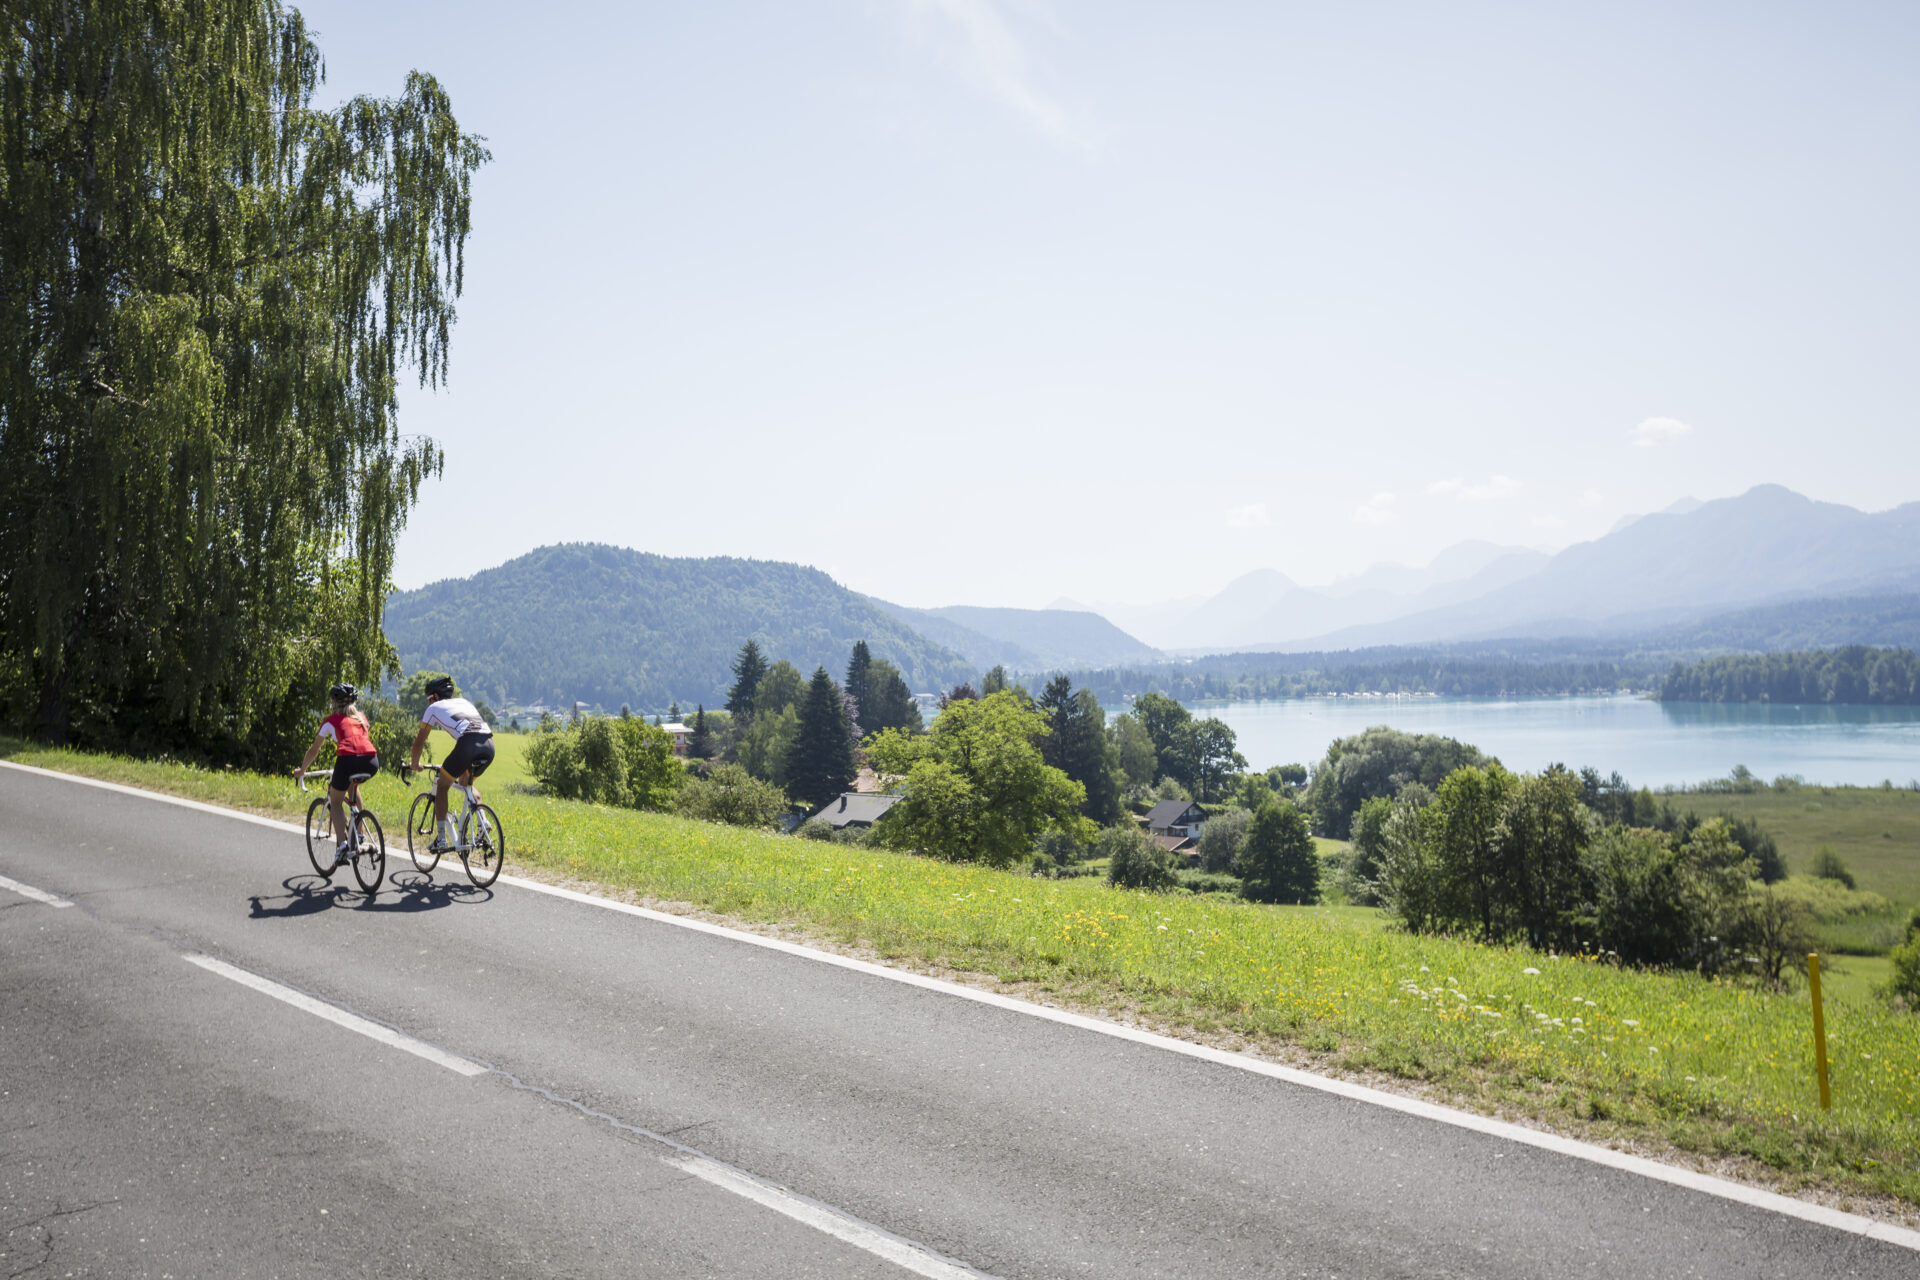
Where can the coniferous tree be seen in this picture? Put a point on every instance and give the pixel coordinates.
(700, 742)
(1078, 746)
(748, 669)
(820, 764)
(210, 290)
(858, 667)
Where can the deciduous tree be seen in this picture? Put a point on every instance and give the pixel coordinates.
(977, 788)
(210, 290)
(1277, 862)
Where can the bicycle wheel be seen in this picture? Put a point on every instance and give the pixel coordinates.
(370, 859)
(420, 832)
(489, 851)
(320, 847)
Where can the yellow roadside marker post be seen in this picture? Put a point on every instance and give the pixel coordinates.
(1819, 1031)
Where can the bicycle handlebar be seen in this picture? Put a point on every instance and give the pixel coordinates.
(301, 778)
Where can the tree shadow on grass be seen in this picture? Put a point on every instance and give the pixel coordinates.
(405, 891)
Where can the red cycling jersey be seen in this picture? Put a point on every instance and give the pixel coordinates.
(350, 732)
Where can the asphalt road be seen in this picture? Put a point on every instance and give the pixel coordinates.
(644, 1099)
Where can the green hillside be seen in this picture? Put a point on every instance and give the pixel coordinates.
(608, 625)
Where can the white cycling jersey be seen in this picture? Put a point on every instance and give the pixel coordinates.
(456, 716)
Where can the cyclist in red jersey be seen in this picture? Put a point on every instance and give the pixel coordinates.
(354, 761)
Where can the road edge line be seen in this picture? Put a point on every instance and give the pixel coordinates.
(339, 1017)
(32, 894)
(1705, 1183)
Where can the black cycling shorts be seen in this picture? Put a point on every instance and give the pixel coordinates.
(348, 770)
(474, 751)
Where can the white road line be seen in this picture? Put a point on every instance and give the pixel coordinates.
(1706, 1184)
(339, 1016)
(38, 895)
(882, 1244)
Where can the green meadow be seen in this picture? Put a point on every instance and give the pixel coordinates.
(1710, 1067)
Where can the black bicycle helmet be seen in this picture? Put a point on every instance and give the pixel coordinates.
(343, 693)
(441, 688)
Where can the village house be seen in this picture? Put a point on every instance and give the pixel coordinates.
(1175, 826)
(855, 809)
(1181, 818)
(682, 735)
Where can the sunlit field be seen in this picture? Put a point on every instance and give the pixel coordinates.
(1713, 1067)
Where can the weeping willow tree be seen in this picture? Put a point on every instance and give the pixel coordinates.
(210, 290)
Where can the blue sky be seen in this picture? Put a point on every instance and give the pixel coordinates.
(991, 301)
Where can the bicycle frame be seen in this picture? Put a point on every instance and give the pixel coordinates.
(352, 802)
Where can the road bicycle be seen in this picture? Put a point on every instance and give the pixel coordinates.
(479, 838)
(366, 842)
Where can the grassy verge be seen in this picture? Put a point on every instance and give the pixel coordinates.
(1662, 1060)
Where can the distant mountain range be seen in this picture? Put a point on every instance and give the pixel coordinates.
(1689, 562)
(1026, 639)
(1766, 571)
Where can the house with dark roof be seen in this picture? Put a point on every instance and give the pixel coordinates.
(1181, 818)
(855, 809)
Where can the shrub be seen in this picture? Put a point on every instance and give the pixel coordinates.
(607, 761)
(815, 829)
(1904, 985)
(1827, 865)
(731, 795)
(1134, 859)
(1207, 882)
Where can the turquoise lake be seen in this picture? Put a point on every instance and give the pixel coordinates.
(1653, 744)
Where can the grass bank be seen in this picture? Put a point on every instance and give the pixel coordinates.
(1664, 1060)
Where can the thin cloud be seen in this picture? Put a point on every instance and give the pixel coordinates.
(978, 34)
(1654, 430)
(1592, 498)
(1376, 510)
(1254, 515)
(1495, 487)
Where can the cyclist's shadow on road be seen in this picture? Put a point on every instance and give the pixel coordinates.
(407, 891)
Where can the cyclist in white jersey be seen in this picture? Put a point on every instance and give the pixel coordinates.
(472, 749)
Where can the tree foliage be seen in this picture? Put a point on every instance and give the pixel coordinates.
(1134, 750)
(888, 703)
(1277, 862)
(210, 289)
(1853, 674)
(977, 787)
(1378, 762)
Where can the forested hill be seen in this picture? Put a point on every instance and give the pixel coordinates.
(1854, 674)
(609, 625)
(1515, 669)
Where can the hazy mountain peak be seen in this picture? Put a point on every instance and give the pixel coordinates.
(1679, 507)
